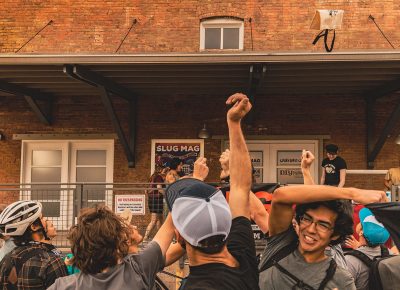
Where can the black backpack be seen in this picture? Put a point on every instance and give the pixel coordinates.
(282, 253)
(384, 270)
(12, 265)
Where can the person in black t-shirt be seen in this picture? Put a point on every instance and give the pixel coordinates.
(334, 167)
(218, 237)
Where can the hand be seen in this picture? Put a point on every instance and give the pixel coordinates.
(200, 169)
(364, 196)
(307, 158)
(241, 106)
(352, 242)
(224, 161)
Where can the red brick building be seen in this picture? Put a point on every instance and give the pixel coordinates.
(171, 64)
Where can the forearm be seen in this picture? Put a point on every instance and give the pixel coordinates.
(174, 253)
(307, 177)
(322, 179)
(310, 193)
(342, 178)
(258, 213)
(240, 171)
(165, 235)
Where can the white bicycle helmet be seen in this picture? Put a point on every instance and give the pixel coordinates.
(18, 216)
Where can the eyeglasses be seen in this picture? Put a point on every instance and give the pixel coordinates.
(322, 227)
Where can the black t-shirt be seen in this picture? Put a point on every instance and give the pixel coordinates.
(218, 276)
(332, 170)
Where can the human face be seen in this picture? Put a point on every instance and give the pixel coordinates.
(50, 229)
(179, 168)
(331, 156)
(316, 230)
(135, 236)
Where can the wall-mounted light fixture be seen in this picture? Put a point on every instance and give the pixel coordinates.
(203, 133)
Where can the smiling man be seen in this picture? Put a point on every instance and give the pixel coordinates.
(295, 259)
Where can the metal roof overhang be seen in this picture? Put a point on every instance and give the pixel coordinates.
(293, 73)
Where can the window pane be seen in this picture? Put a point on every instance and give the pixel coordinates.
(86, 174)
(231, 38)
(93, 193)
(212, 38)
(51, 209)
(46, 158)
(91, 157)
(45, 194)
(46, 174)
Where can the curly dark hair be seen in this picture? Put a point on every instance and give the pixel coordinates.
(99, 240)
(344, 220)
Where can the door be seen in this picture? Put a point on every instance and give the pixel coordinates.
(280, 160)
(44, 166)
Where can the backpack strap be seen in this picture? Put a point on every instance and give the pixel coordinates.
(361, 256)
(330, 272)
(384, 252)
(282, 253)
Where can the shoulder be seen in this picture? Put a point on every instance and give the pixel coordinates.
(67, 282)
(277, 242)
(343, 279)
(151, 253)
(325, 161)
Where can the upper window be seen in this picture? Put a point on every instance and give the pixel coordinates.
(221, 33)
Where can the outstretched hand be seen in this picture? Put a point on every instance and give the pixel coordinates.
(224, 161)
(201, 169)
(364, 196)
(307, 158)
(241, 106)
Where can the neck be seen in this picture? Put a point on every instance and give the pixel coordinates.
(197, 258)
(313, 257)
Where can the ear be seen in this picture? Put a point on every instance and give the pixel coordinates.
(35, 228)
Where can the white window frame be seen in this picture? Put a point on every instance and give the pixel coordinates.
(68, 166)
(221, 23)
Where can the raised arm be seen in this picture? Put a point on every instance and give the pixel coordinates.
(239, 163)
(165, 234)
(285, 197)
(307, 158)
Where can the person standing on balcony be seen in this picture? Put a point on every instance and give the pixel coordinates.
(333, 167)
(155, 198)
(392, 177)
(175, 168)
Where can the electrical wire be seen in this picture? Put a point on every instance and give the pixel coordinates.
(126, 35)
(50, 22)
(373, 19)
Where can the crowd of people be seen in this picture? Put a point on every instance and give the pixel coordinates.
(308, 228)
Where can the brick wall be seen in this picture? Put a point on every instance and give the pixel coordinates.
(342, 118)
(173, 26)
